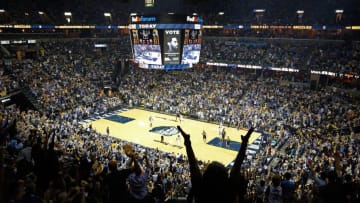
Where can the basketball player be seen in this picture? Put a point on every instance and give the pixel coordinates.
(107, 130)
(150, 121)
(223, 134)
(228, 141)
(162, 138)
(177, 116)
(178, 140)
(204, 136)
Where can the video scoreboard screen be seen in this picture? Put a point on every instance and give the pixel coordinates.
(165, 41)
(146, 46)
(172, 39)
(192, 46)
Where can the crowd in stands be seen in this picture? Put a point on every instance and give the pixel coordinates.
(51, 157)
(340, 57)
(271, 32)
(7, 84)
(52, 85)
(307, 122)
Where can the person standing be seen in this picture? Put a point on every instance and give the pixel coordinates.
(215, 184)
(162, 139)
(220, 132)
(223, 134)
(138, 182)
(274, 192)
(228, 141)
(260, 192)
(178, 140)
(288, 188)
(150, 121)
(180, 118)
(177, 116)
(204, 136)
(115, 182)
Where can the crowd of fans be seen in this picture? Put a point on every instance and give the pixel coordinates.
(52, 157)
(309, 123)
(51, 84)
(7, 84)
(339, 57)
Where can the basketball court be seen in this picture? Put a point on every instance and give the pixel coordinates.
(133, 125)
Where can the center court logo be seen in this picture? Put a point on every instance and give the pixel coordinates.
(165, 130)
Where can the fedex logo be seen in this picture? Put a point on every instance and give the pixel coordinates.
(142, 19)
(194, 19)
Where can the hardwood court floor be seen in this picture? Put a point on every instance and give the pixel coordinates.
(138, 131)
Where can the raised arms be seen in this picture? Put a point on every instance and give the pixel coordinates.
(241, 154)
